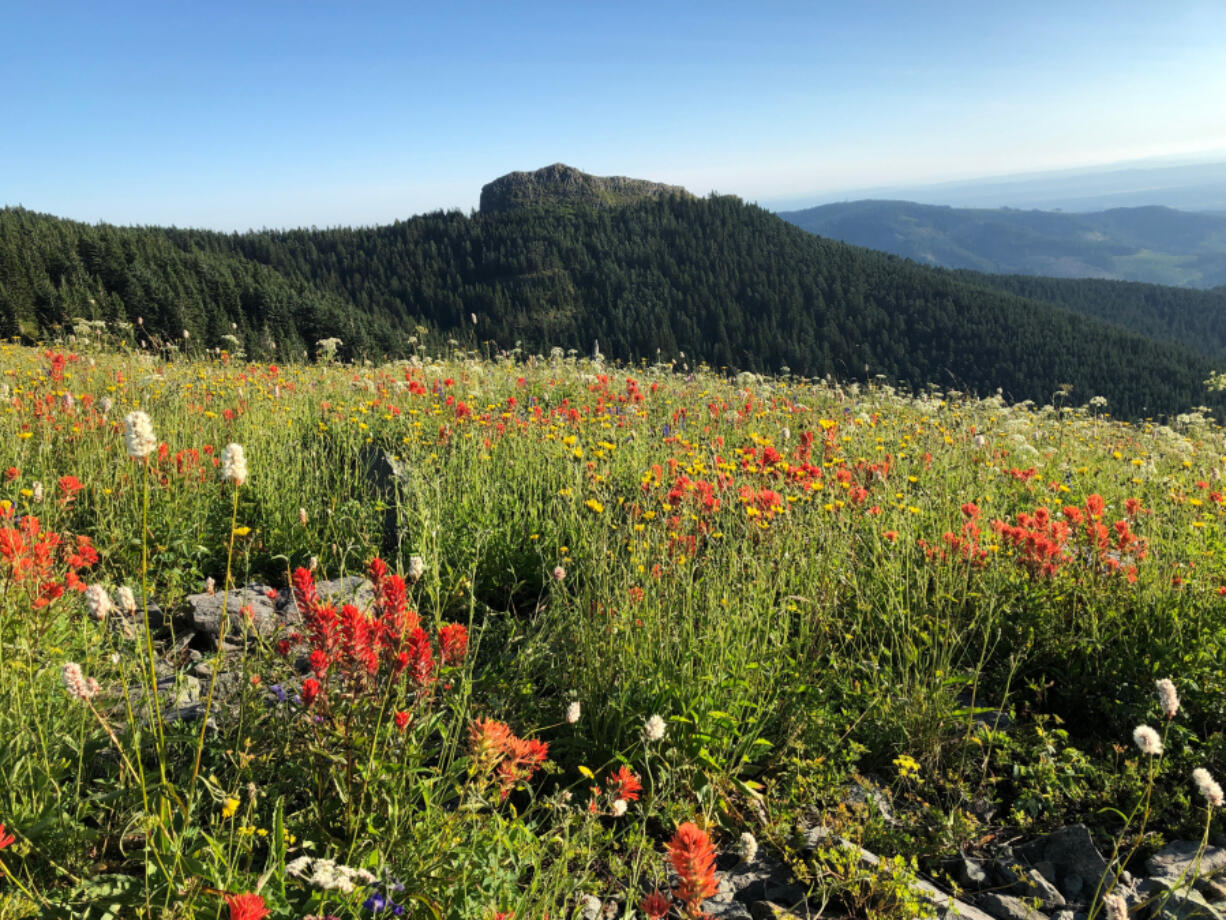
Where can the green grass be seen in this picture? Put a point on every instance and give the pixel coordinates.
(764, 564)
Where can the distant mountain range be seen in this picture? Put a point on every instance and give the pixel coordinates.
(1159, 245)
(1174, 182)
(557, 258)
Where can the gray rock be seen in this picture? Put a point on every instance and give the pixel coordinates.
(1072, 852)
(970, 873)
(1029, 883)
(1180, 860)
(1214, 889)
(1185, 905)
(1007, 907)
(763, 880)
(205, 614)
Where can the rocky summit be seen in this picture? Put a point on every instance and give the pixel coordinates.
(562, 184)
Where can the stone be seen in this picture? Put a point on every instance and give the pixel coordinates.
(205, 614)
(1185, 905)
(1214, 889)
(379, 471)
(763, 880)
(969, 873)
(1029, 883)
(1072, 852)
(1184, 859)
(1007, 907)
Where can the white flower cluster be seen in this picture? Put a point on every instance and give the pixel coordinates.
(76, 683)
(1147, 740)
(653, 729)
(98, 602)
(328, 875)
(234, 464)
(1168, 696)
(1208, 787)
(138, 435)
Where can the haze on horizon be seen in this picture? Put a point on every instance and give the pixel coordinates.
(235, 115)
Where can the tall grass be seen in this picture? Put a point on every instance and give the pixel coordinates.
(789, 573)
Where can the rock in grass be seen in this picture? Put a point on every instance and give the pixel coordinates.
(1007, 907)
(1179, 859)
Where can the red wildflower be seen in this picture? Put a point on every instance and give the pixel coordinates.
(69, 487)
(246, 907)
(5, 839)
(12, 473)
(453, 642)
(421, 659)
(623, 784)
(655, 905)
(693, 858)
(402, 720)
(310, 690)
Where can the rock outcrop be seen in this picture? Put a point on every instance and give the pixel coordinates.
(562, 184)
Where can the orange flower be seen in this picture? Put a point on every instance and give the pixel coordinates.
(246, 907)
(623, 784)
(655, 905)
(693, 858)
(5, 839)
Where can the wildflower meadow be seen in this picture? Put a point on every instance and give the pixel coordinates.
(500, 636)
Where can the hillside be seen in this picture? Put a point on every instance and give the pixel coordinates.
(713, 279)
(1151, 244)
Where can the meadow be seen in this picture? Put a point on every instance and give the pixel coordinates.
(619, 617)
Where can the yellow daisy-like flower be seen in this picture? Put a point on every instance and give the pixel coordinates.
(230, 807)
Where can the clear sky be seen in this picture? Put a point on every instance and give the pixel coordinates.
(247, 114)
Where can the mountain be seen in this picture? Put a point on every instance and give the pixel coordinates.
(1152, 244)
(560, 184)
(1197, 184)
(718, 280)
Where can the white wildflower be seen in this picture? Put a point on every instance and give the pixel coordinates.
(1207, 786)
(559, 573)
(98, 602)
(138, 435)
(1115, 907)
(298, 866)
(234, 464)
(748, 847)
(36, 491)
(653, 729)
(76, 684)
(1147, 740)
(573, 711)
(619, 808)
(417, 567)
(1168, 696)
(126, 600)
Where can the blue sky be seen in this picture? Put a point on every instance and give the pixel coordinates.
(235, 115)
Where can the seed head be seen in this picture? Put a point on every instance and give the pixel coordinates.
(98, 602)
(126, 600)
(1207, 786)
(417, 568)
(234, 464)
(138, 435)
(1147, 740)
(653, 729)
(1168, 696)
(76, 683)
(1115, 908)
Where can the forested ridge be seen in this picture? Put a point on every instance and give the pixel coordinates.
(724, 282)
